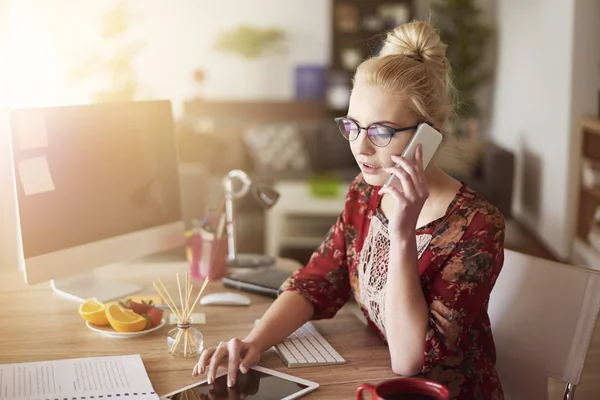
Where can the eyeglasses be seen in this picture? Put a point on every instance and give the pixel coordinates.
(380, 135)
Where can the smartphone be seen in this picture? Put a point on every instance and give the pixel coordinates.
(426, 136)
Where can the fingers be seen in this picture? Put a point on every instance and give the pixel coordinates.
(413, 171)
(205, 356)
(419, 157)
(234, 350)
(406, 181)
(250, 358)
(419, 165)
(234, 347)
(215, 360)
(410, 167)
(399, 198)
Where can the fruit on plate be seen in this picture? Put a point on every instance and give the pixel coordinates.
(123, 319)
(93, 312)
(152, 314)
(138, 308)
(155, 315)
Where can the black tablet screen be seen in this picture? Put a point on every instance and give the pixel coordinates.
(254, 385)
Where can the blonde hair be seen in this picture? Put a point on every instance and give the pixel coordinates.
(413, 64)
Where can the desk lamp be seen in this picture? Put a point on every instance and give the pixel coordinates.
(266, 196)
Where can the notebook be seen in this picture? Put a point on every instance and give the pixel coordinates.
(262, 281)
(114, 377)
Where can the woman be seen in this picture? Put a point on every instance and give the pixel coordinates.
(420, 256)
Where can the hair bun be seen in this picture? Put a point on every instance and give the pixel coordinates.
(416, 40)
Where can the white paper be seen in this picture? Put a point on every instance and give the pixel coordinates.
(77, 378)
(31, 130)
(35, 176)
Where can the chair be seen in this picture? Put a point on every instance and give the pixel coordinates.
(543, 315)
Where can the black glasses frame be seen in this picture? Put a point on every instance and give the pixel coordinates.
(390, 129)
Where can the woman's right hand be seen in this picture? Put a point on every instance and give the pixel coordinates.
(240, 354)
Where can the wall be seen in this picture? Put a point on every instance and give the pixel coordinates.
(306, 24)
(177, 36)
(546, 78)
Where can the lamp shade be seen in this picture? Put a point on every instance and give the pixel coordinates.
(266, 196)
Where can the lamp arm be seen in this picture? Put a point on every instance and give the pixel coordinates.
(230, 194)
(231, 240)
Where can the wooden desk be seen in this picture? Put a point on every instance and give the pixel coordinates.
(39, 325)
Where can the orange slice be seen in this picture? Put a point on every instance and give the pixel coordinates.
(93, 311)
(123, 319)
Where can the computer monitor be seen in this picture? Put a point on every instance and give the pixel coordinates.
(11, 252)
(95, 185)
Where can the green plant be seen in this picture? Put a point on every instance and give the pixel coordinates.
(468, 39)
(117, 65)
(251, 42)
(324, 185)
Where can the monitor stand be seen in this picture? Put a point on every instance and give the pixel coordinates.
(86, 286)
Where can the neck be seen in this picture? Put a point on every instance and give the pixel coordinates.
(442, 190)
(441, 186)
(437, 180)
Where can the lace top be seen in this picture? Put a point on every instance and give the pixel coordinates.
(460, 257)
(372, 268)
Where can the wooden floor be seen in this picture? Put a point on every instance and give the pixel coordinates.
(519, 239)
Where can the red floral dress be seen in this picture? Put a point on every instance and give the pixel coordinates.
(460, 257)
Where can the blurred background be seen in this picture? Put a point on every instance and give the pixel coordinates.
(255, 85)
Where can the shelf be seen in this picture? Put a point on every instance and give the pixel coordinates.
(350, 31)
(591, 124)
(595, 192)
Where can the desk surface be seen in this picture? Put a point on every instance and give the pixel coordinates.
(39, 325)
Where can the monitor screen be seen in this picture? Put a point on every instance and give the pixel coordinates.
(95, 185)
(96, 172)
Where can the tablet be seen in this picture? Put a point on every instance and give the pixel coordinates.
(265, 281)
(258, 384)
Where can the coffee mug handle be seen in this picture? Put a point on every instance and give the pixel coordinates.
(364, 387)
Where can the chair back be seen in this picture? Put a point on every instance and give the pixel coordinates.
(543, 315)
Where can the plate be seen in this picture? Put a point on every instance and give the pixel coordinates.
(110, 332)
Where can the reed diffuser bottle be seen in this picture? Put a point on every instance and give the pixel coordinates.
(184, 340)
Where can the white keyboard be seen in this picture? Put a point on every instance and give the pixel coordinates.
(306, 348)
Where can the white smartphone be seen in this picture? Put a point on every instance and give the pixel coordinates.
(426, 136)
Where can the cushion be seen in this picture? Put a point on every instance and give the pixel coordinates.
(277, 147)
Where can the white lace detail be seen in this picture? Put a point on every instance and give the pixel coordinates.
(372, 269)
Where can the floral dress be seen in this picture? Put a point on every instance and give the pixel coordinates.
(460, 257)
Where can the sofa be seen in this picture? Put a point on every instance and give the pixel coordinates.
(493, 176)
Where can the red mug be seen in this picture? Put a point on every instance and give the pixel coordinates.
(404, 389)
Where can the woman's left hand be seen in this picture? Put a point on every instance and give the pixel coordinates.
(409, 193)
